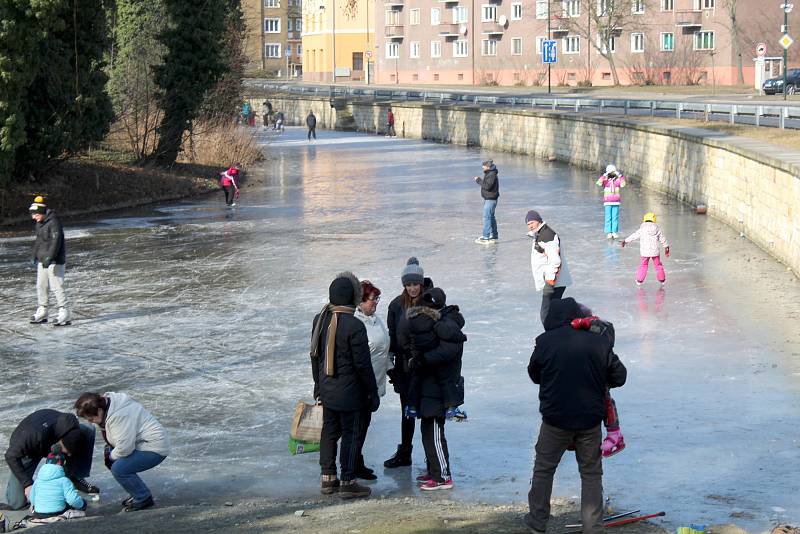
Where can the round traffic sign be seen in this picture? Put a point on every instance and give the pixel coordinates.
(761, 49)
(369, 53)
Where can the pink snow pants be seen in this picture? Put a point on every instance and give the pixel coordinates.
(641, 272)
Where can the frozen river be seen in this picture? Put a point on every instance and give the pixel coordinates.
(204, 313)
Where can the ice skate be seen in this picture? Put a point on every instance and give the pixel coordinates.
(609, 236)
(612, 444)
(615, 235)
(63, 318)
(39, 316)
(484, 241)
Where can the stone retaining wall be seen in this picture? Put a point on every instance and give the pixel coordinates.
(752, 193)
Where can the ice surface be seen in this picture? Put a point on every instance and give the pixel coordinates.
(203, 313)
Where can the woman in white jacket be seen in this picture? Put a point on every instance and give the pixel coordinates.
(135, 441)
(378, 336)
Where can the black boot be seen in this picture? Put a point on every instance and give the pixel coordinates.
(402, 458)
(362, 471)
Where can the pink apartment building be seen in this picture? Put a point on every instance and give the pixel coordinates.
(498, 42)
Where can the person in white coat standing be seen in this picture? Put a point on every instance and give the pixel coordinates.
(135, 441)
(378, 336)
(548, 265)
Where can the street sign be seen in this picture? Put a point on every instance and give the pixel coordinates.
(368, 53)
(761, 49)
(549, 51)
(786, 41)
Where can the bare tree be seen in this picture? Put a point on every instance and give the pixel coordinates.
(733, 25)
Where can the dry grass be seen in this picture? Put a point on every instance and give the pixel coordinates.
(222, 146)
(783, 138)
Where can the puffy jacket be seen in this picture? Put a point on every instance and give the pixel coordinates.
(130, 427)
(573, 369)
(378, 338)
(49, 246)
(490, 184)
(441, 370)
(650, 236)
(229, 177)
(547, 261)
(311, 120)
(53, 491)
(33, 438)
(611, 188)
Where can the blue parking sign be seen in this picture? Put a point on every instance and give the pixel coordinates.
(549, 51)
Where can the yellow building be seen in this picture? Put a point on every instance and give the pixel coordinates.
(338, 35)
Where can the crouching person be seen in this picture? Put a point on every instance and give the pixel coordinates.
(344, 382)
(135, 441)
(573, 368)
(53, 496)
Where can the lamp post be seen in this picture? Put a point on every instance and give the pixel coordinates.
(322, 8)
(787, 8)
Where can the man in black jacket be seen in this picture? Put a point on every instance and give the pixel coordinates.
(49, 256)
(490, 191)
(33, 439)
(344, 382)
(573, 369)
(311, 122)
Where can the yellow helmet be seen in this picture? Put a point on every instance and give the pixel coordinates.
(39, 199)
(649, 217)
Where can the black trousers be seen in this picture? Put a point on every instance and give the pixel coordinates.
(435, 448)
(366, 419)
(344, 426)
(312, 131)
(230, 193)
(406, 425)
(549, 294)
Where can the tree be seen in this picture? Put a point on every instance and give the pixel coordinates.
(736, 38)
(192, 66)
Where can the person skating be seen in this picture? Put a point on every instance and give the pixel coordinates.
(229, 181)
(490, 191)
(49, 256)
(548, 265)
(33, 439)
(135, 442)
(311, 122)
(279, 122)
(573, 368)
(344, 381)
(612, 182)
(53, 495)
(651, 238)
(390, 123)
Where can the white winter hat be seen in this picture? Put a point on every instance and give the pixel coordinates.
(610, 169)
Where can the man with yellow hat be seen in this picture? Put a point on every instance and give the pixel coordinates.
(49, 255)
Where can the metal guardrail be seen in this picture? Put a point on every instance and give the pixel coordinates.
(759, 114)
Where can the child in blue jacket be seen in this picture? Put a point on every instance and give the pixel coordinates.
(53, 493)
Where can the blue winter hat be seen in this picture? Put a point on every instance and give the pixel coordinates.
(412, 272)
(532, 215)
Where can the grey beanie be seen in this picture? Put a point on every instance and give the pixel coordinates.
(412, 272)
(532, 215)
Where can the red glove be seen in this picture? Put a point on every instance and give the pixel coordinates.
(583, 323)
(666, 251)
(622, 244)
(236, 195)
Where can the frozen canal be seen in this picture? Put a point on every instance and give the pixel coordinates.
(204, 315)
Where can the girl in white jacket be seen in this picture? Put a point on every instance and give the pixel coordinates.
(651, 238)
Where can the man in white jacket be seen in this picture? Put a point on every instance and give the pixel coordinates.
(549, 268)
(135, 439)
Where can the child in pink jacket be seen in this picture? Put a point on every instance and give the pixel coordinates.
(612, 181)
(651, 239)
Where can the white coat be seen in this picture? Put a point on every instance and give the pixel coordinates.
(129, 427)
(650, 236)
(378, 336)
(549, 264)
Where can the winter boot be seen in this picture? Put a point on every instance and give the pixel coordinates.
(81, 484)
(613, 443)
(39, 316)
(353, 490)
(362, 471)
(63, 318)
(401, 458)
(330, 484)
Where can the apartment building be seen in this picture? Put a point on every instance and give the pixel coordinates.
(273, 43)
(499, 42)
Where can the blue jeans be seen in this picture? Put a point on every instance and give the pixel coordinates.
(612, 219)
(77, 466)
(489, 222)
(125, 469)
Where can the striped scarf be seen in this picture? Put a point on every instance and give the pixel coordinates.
(330, 342)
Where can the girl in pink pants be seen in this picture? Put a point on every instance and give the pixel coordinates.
(651, 239)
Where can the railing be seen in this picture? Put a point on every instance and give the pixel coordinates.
(395, 30)
(449, 30)
(758, 114)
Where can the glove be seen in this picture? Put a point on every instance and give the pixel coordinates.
(107, 457)
(666, 251)
(622, 244)
(374, 402)
(551, 282)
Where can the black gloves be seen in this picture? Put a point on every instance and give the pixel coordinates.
(374, 402)
(107, 457)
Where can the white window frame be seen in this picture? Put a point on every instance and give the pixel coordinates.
(298, 25)
(672, 42)
(604, 46)
(436, 49)
(289, 25)
(460, 15)
(276, 47)
(488, 13)
(637, 38)
(571, 8)
(667, 5)
(414, 17)
(489, 47)
(637, 7)
(436, 16)
(539, 40)
(516, 11)
(272, 25)
(392, 50)
(272, 3)
(541, 9)
(571, 44)
(516, 50)
(709, 4)
(392, 17)
(461, 48)
(300, 50)
(413, 49)
(698, 38)
(604, 6)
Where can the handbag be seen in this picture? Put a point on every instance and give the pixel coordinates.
(307, 422)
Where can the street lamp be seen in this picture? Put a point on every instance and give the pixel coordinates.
(787, 8)
(322, 8)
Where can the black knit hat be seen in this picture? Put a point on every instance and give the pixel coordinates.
(532, 215)
(74, 441)
(434, 298)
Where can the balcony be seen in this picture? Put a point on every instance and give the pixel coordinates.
(394, 32)
(448, 1)
(492, 28)
(394, 3)
(450, 30)
(689, 20)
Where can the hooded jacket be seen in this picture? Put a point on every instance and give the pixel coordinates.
(130, 427)
(33, 438)
(441, 369)
(53, 491)
(547, 261)
(573, 368)
(611, 188)
(378, 338)
(490, 184)
(49, 246)
(650, 236)
(352, 383)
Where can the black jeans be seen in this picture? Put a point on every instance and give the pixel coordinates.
(435, 444)
(366, 419)
(312, 131)
(406, 425)
(338, 425)
(550, 293)
(230, 193)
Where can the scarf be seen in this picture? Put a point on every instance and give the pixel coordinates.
(330, 342)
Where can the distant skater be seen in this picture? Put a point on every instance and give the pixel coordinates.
(612, 181)
(311, 122)
(49, 256)
(228, 180)
(549, 268)
(390, 123)
(490, 191)
(651, 239)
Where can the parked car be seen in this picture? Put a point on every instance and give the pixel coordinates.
(774, 86)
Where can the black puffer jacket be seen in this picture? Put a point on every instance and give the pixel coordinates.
(34, 437)
(573, 369)
(49, 247)
(442, 365)
(397, 324)
(490, 184)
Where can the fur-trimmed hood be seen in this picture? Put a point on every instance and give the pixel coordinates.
(345, 290)
(415, 311)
